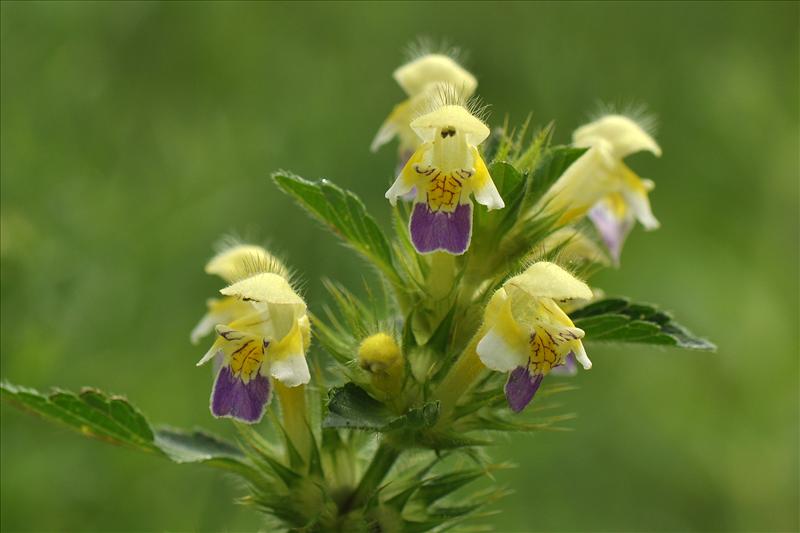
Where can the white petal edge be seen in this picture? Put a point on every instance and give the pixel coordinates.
(385, 134)
(398, 188)
(489, 196)
(203, 328)
(581, 357)
(497, 354)
(640, 205)
(291, 370)
(210, 354)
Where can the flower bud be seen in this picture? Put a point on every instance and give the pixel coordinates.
(381, 357)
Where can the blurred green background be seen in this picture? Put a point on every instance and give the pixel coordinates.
(136, 134)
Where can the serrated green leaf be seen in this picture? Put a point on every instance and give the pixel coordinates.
(194, 446)
(197, 446)
(618, 320)
(350, 406)
(601, 307)
(416, 418)
(95, 414)
(604, 324)
(92, 413)
(345, 214)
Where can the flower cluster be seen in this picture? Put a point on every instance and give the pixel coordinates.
(479, 296)
(262, 327)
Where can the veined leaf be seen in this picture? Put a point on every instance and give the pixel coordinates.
(344, 213)
(194, 446)
(351, 406)
(113, 419)
(619, 320)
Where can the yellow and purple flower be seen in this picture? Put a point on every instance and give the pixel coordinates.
(267, 339)
(601, 185)
(527, 334)
(445, 171)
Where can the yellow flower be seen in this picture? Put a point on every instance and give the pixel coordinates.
(601, 184)
(527, 334)
(445, 170)
(267, 338)
(421, 79)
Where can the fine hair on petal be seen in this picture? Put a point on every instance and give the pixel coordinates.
(635, 110)
(446, 94)
(538, 255)
(257, 264)
(425, 44)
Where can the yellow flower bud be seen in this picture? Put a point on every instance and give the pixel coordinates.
(380, 355)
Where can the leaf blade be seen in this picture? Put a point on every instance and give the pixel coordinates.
(96, 414)
(619, 320)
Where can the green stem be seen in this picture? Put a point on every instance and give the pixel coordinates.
(293, 409)
(441, 276)
(459, 379)
(381, 463)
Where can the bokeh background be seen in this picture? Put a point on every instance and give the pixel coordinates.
(134, 135)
